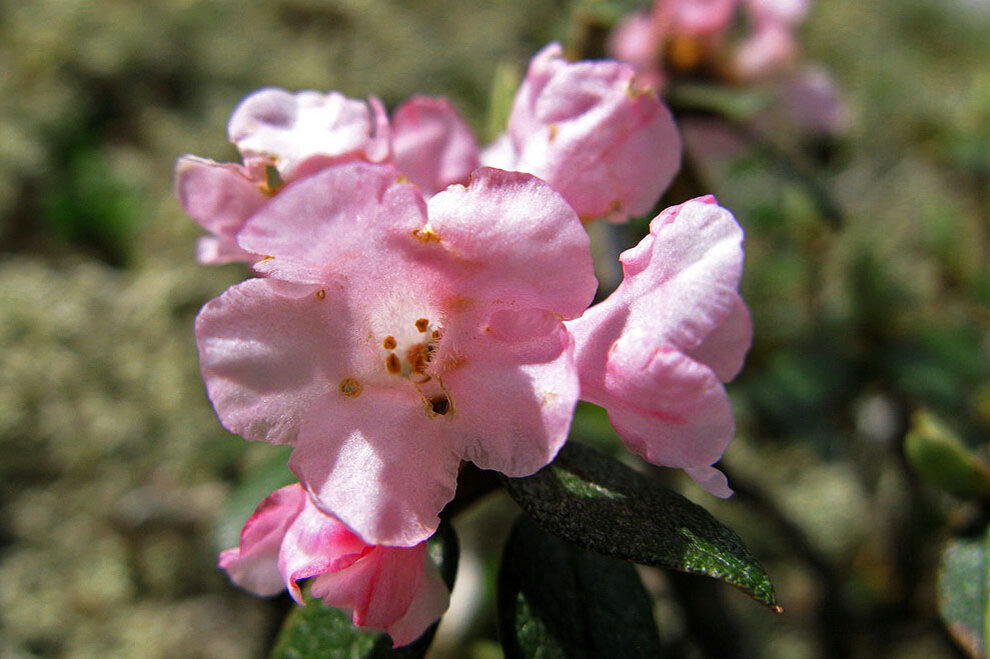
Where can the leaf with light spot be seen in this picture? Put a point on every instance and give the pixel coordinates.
(964, 591)
(605, 507)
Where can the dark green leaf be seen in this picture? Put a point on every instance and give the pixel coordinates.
(603, 506)
(964, 591)
(317, 631)
(556, 600)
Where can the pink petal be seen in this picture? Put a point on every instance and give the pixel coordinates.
(711, 479)
(252, 565)
(432, 144)
(316, 543)
(502, 225)
(725, 347)
(665, 406)
(381, 588)
(285, 129)
(680, 283)
(637, 41)
(644, 353)
(379, 463)
(786, 11)
(699, 17)
(267, 350)
(765, 52)
(343, 215)
(514, 398)
(610, 149)
(220, 198)
(429, 603)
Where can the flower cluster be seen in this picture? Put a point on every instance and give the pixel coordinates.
(415, 310)
(703, 39)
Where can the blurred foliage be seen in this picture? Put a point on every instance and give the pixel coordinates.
(115, 472)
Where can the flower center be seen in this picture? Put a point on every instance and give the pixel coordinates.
(408, 353)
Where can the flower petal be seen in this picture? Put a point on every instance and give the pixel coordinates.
(432, 144)
(431, 599)
(680, 283)
(284, 128)
(344, 214)
(267, 350)
(514, 398)
(502, 225)
(665, 406)
(252, 565)
(711, 479)
(220, 198)
(379, 463)
(608, 147)
(725, 347)
(316, 543)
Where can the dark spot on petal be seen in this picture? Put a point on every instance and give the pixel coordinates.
(440, 405)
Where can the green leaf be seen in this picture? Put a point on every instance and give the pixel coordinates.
(556, 600)
(316, 631)
(603, 506)
(964, 591)
(938, 456)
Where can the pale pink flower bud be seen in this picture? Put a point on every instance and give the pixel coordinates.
(394, 589)
(586, 128)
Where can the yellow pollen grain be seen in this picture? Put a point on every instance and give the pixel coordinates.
(350, 387)
(392, 364)
(320, 294)
(389, 343)
(426, 234)
(552, 129)
(422, 324)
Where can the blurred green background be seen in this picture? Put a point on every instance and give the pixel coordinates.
(116, 480)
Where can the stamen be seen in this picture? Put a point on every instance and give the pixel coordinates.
(419, 357)
(350, 387)
(392, 364)
(389, 342)
(422, 324)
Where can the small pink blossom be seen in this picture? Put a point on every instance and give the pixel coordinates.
(688, 36)
(301, 133)
(395, 589)
(285, 129)
(586, 128)
(655, 353)
(394, 337)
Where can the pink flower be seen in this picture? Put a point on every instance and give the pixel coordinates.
(655, 353)
(692, 36)
(301, 133)
(395, 589)
(609, 147)
(393, 337)
(285, 129)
